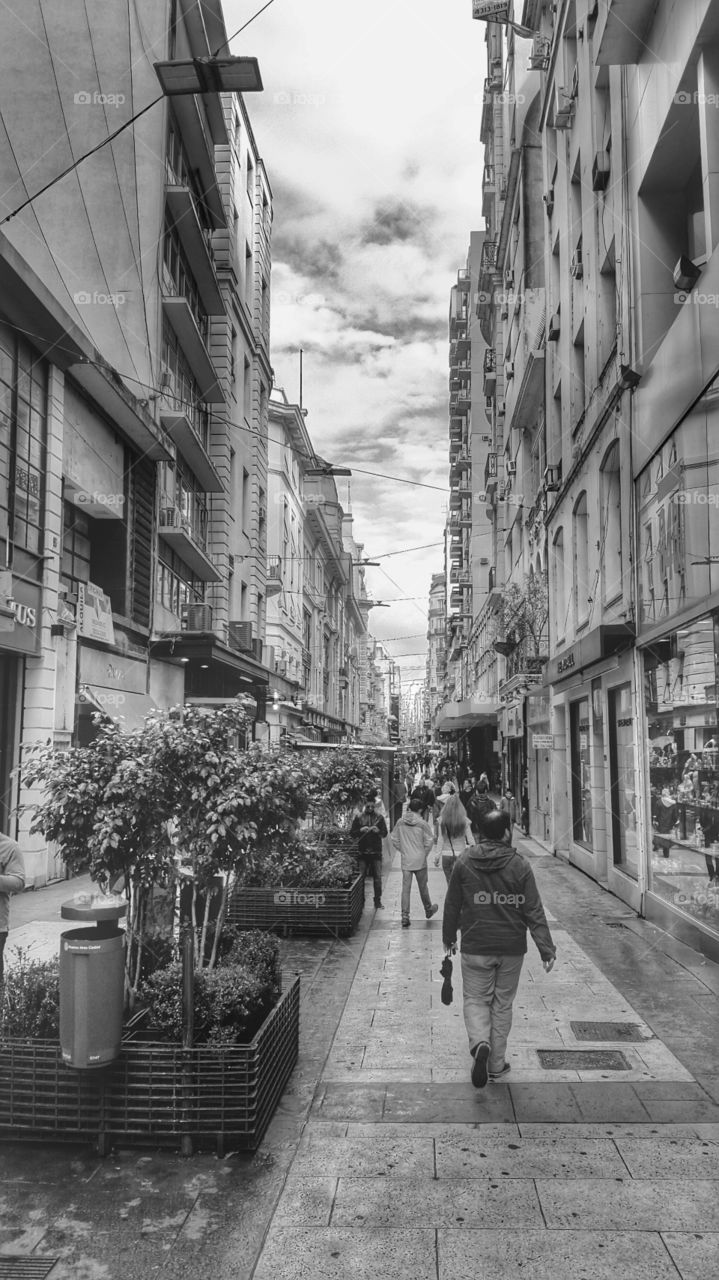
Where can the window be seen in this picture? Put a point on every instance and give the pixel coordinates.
(176, 586)
(75, 565)
(581, 776)
(581, 562)
(23, 428)
(558, 586)
(610, 557)
(245, 499)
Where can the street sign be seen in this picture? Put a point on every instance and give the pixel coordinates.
(491, 10)
(543, 741)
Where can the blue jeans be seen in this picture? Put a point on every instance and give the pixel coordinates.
(489, 985)
(373, 867)
(423, 887)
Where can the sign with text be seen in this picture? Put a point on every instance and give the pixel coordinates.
(491, 10)
(94, 613)
(543, 741)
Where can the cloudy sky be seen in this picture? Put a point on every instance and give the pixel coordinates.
(369, 129)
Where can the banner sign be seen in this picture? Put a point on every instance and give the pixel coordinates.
(94, 613)
(491, 10)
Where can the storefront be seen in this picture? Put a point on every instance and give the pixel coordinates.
(593, 749)
(20, 616)
(678, 503)
(540, 745)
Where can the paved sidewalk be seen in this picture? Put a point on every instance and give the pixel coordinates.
(383, 1161)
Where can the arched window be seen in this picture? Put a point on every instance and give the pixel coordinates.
(581, 562)
(611, 530)
(559, 590)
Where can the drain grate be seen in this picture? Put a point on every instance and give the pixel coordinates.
(614, 924)
(630, 1031)
(22, 1267)
(582, 1060)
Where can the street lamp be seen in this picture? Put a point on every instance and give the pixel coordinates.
(209, 75)
(327, 470)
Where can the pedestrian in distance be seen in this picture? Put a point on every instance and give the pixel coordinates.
(12, 880)
(369, 829)
(508, 805)
(455, 835)
(483, 784)
(413, 837)
(492, 899)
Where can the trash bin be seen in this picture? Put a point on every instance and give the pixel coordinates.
(92, 982)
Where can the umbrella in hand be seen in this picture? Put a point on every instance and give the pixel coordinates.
(446, 972)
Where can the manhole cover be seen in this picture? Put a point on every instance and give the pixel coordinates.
(582, 1060)
(607, 1031)
(15, 1267)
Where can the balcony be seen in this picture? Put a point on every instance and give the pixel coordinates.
(183, 211)
(490, 371)
(179, 428)
(464, 281)
(456, 428)
(187, 541)
(458, 313)
(624, 38)
(274, 575)
(491, 473)
(200, 151)
(459, 350)
(179, 314)
(488, 265)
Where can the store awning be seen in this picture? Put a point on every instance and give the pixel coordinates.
(129, 708)
(468, 714)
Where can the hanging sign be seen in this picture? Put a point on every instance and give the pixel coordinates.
(94, 613)
(490, 10)
(543, 741)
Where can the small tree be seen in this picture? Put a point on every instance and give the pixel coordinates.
(180, 792)
(338, 780)
(523, 617)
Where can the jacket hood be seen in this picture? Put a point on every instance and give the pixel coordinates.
(412, 819)
(491, 855)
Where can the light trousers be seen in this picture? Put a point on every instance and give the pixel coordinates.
(489, 986)
(423, 887)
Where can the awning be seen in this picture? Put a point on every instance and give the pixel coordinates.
(468, 714)
(129, 708)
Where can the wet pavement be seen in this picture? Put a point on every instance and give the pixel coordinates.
(383, 1160)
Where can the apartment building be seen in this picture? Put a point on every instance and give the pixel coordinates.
(135, 320)
(436, 649)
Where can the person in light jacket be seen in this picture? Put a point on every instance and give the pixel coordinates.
(492, 899)
(12, 880)
(414, 839)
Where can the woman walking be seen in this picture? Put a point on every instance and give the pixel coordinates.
(455, 834)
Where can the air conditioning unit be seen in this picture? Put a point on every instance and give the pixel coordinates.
(485, 439)
(262, 513)
(240, 635)
(500, 408)
(509, 369)
(600, 171)
(548, 199)
(555, 328)
(281, 667)
(563, 108)
(199, 617)
(539, 57)
(553, 477)
(484, 560)
(510, 468)
(166, 380)
(577, 265)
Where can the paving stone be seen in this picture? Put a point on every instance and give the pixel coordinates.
(670, 1158)
(554, 1255)
(544, 1102)
(695, 1255)
(613, 1101)
(336, 1254)
(670, 1090)
(644, 1131)
(379, 1154)
(683, 1112)
(629, 1205)
(306, 1199)
(507, 1132)
(422, 1203)
(475, 1155)
(466, 1103)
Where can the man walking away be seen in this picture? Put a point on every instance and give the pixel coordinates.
(414, 839)
(492, 898)
(12, 880)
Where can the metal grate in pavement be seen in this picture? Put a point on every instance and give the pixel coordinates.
(614, 924)
(22, 1267)
(582, 1060)
(630, 1031)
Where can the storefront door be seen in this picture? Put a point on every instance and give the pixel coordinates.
(622, 724)
(580, 725)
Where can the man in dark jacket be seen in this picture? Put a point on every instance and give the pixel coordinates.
(370, 829)
(493, 899)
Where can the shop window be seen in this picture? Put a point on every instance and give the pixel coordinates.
(622, 729)
(611, 534)
(680, 679)
(580, 756)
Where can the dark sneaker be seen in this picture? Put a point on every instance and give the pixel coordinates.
(405, 924)
(496, 1075)
(479, 1066)
(432, 911)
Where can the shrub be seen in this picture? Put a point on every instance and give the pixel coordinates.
(30, 999)
(299, 864)
(231, 1001)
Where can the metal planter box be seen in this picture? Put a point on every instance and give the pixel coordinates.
(312, 912)
(196, 1099)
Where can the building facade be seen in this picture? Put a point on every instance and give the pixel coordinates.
(135, 332)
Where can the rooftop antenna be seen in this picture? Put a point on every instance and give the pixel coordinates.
(301, 355)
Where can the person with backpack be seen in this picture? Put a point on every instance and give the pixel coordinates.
(369, 829)
(413, 837)
(455, 834)
(492, 900)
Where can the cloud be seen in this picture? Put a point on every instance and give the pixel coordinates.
(398, 220)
